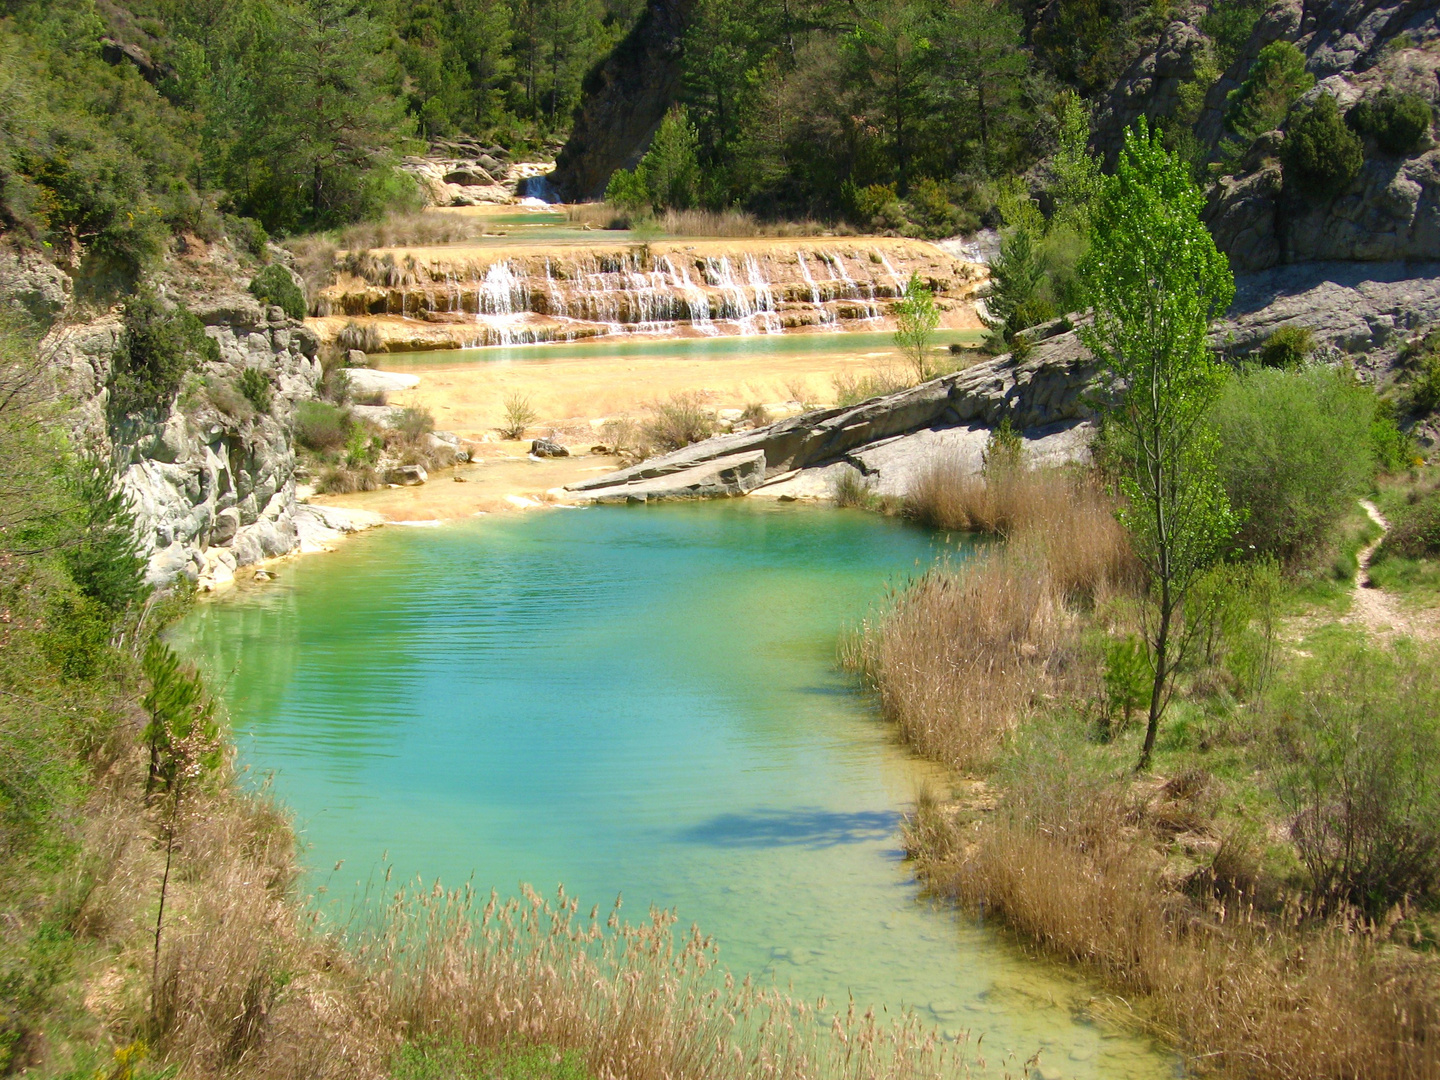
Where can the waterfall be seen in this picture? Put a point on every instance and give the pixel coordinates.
(574, 292)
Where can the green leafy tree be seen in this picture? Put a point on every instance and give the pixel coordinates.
(102, 552)
(1015, 299)
(1398, 122)
(916, 318)
(890, 51)
(1320, 153)
(627, 191)
(1156, 280)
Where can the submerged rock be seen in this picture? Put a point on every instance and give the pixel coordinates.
(407, 475)
(548, 448)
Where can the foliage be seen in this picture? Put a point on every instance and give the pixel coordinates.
(274, 285)
(1276, 79)
(671, 167)
(1320, 154)
(182, 734)
(1016, 299)
(1288, 347)
(1228, 25)
(1298, 448)
(1127, 679)
(1360, 776)
(321, 426)
(455, 1061)
(677, 422)
(102, 554)
(255, 385)
(519, 414)
(1004, 449)
(157, 348)
(1415, 531)
(1397, 122)
(627, 191)
(413, 422)
(916, 318)
(1394, 449)
(1156, 281)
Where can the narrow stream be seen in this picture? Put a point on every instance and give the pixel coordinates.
(633, 701)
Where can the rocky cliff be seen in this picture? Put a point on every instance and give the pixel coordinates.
(625, 99)
(1390, 212)
(213, 488)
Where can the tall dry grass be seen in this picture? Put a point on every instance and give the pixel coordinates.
(959, 657)
(1071, 865)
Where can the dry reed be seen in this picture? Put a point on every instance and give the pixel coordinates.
(1242, 996)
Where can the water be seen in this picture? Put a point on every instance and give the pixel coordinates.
(636, 701)
(848, 344)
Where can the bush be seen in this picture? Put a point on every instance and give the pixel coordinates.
(1296, 448)
(853, 389)
(931, 208)
(274, 285)
(1320, 154)
(1415, 532)
(1359, 739)
(1274, 81)
(248, 233)
(1422, 392)
(364, 337)
(627, 191)
(412, 423)
(519, 414)
(255, 385)
(1397, 122)
(321, 427)
(1287, 347)
(1394, 449)
(678, 422)
(158, 347)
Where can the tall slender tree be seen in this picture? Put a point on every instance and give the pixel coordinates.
(1156, 280)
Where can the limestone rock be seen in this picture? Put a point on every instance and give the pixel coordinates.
(407, 475)
(720, 477)
(370, 381)
(547, 448)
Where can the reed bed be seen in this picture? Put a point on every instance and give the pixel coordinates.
(628, 999)
(1072, 866)
(960, 656)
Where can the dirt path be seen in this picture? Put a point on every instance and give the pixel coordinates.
(1378, 611)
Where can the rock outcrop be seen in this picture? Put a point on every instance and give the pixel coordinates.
(887, 440)
(213, 488)
(1389, 212)
(625, 99)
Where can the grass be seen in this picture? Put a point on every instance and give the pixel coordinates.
(704, 223)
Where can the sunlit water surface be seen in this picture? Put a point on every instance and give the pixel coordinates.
(640, 701)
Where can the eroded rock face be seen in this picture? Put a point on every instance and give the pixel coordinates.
(625, 100)
(200, 478)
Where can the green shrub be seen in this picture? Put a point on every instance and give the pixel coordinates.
(248, 234)
(1422, 391)
(1274, 81)
(931, 208)
(1287, 347)
(412, 423)
(1415, 532)
(1295, 447)
(158, 347)
(870, 202)
(627, 191)
(274, 285)
(321, 427)
(1397, 122)
(1394, 449)
(255, 385)
(1358, 737)
(1320, 153)
(671, 167)
(1128, 678)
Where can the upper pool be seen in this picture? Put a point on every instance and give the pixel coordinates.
(640, 702)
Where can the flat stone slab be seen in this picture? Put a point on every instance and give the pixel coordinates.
(735, 474)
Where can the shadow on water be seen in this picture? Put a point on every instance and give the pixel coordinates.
(809, 827)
